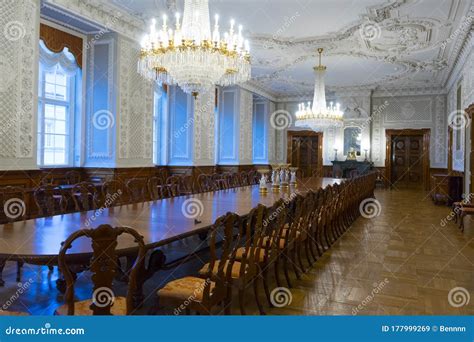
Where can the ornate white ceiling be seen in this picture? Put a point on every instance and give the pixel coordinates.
(368, 44)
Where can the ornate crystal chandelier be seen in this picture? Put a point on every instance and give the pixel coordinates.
(318, 116)
(190, 56)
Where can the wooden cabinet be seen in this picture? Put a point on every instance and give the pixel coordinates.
(446, 189)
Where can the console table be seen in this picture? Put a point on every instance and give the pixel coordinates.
(344, 168)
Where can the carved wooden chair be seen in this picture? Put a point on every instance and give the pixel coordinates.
(154, 186)
(172, 186)
(461, 210)
(205, 292)
(186, 185)
(234, 180)
(253, 177)
(104, 267)
(85, 196)
(72, 177)
(274, 223)
(218, 181)
(204, 183)
(113, 193)
(136, 190)
(243, 178)
(48, 179)
(50, 200)
(244, 261)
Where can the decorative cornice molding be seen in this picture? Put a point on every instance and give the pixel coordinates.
(413, 91)
(256, 88)
(106, 16)
(463, 54)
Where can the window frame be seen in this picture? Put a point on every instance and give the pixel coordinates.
(70, 106)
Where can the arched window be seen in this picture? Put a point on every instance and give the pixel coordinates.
(59, 81)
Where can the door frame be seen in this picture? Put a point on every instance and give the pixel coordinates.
(306, 133)
(470, 112)
(390, 134)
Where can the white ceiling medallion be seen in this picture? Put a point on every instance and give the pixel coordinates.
(318, 117)
(190, 56)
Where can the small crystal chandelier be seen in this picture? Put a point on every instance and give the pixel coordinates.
(190, 56)
(319, 117)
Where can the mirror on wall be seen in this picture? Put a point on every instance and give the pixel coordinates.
(352, 140)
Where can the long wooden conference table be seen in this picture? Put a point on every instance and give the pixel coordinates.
(160, 222)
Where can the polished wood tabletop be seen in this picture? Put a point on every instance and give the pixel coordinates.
(160, 222)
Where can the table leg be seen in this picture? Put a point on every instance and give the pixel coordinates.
(156, 262)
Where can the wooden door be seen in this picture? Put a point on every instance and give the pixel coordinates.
(304, 152)
(407, 161)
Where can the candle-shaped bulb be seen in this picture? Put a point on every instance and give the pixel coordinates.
(165, 19)
(247, 46)
(177, 16)
(216, 20)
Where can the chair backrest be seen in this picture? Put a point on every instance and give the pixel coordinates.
(252, 232)
(50, 200)
(172, 186)
(187, 185)
(244, 178)
(217, 181)
(72, 177)
(274, 224)
(204, 183)
(136, 190)
(113, 193)
(13, 204)
(103, 266)
(222, 232)
(85, 196)
(253, 177)
(48, 179)
(154, 186)
(294, 219)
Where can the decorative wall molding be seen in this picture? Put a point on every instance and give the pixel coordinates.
(204, 129)
(19, 46)
(419, 112)
(135, 109)
(245, 127)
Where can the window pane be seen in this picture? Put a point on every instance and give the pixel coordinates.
(60, 157)
(49, 77)
(49, 126)
(49, 111)
(60, 113)
(60, 142)
(60, 93)
(48, 157)
(49, 91)
(60, 127)
(61, 79)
